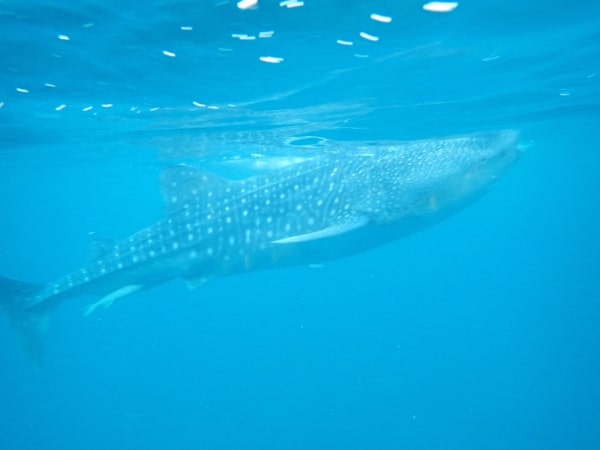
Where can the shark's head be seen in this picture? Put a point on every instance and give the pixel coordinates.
(435, 177)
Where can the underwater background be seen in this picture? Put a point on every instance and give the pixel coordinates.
(479, 333)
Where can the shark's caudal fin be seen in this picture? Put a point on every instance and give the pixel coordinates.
(30, 322)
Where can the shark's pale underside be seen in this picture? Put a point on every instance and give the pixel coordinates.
(321, 208)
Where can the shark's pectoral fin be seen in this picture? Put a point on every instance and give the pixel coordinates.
(334, 230)
(196, 282)
(109, 299)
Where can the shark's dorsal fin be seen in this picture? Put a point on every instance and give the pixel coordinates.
(346, 226)
(185, 185)
(101, 247)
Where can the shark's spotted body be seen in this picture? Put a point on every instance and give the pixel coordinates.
(322, 208)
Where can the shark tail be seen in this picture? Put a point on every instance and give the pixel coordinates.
(30, 320)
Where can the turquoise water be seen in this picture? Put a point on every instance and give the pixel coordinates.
(481, 332)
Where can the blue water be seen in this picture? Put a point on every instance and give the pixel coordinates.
(479, 333)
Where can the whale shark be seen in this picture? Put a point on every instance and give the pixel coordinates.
(318, 208)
